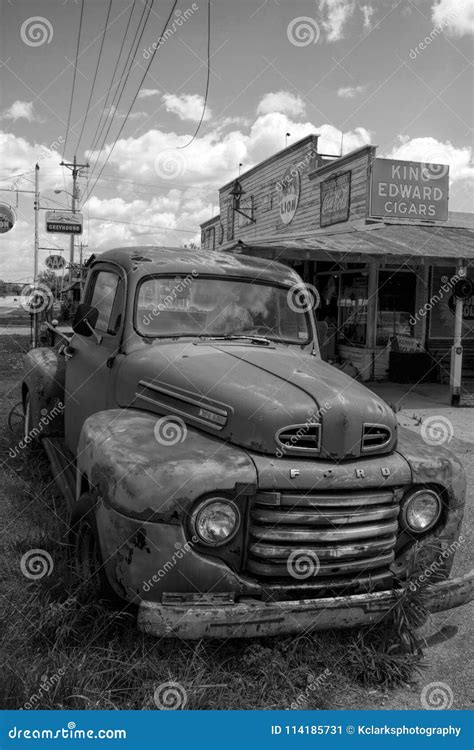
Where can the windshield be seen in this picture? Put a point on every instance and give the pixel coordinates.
(203, 306)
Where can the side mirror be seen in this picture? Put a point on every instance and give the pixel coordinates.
(85, 320)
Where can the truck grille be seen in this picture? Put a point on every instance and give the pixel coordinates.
(339, 537)
(375, 437)
(300, 438)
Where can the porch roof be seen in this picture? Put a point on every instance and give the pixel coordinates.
(438, 245)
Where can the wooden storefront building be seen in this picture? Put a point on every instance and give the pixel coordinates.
(375, 241)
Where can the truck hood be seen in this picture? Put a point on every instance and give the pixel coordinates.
(248, 394)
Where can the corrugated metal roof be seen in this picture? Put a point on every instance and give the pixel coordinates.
(390, 241)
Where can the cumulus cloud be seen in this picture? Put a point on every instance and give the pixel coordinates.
(456, 16)
(160, 191)
(21, 110)
(432, 151)
(113, 112)
(350, 92)
(186, 106)
(367, 13)
(334, 16)
(281, 101)
(146, 93)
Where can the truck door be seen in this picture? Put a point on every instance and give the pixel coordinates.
(90, 364)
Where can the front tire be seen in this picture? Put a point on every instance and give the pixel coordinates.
(86, 554)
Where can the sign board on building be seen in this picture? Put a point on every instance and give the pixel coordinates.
(335, 199)
(443, 305)
(7, 218)
(409, 190)
(289, 194)
(55, 262)
(63, 222)
(246, 207)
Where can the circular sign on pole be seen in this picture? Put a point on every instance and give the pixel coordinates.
(7, 218)
(55, 262)
(289, 194)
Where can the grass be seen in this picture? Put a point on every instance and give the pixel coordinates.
(62, 649)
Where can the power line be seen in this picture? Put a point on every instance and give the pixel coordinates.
(74, 77)
(208, 76)
(133, 100)
(95, 75)
(110, 87)
(127, 68)
(152, 226)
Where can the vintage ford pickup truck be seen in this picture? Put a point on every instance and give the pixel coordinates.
(219, 474)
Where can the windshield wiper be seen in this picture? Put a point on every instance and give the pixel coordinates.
(238, 337)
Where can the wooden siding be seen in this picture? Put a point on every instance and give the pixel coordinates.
(260, 186)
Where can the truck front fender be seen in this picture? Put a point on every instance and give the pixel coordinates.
(432, 464)
(43, 379)
(154, 469)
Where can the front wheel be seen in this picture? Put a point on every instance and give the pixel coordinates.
(87, 558)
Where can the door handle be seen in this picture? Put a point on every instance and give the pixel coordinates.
(68, 351)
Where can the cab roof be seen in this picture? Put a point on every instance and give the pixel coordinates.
(148, 260)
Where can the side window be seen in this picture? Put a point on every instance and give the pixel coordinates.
(107, 297)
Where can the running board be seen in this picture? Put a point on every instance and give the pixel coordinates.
(63, 467)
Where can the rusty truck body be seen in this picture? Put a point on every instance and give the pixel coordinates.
(218, 473)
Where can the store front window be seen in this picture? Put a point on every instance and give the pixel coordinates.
(343, 305)
(396, 305)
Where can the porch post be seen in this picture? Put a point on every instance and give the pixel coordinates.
(372, 300)
(455, 374)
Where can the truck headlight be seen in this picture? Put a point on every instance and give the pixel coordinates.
(216, 520)
(420, 510)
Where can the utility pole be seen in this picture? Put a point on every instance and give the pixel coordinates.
(36, 251)
(36, 207)
(75, 169)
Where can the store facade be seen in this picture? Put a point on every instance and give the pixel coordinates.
(373, 239)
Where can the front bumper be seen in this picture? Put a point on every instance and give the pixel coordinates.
(250, 618)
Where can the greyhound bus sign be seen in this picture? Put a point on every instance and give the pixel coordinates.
(63, 222)
(409, 190)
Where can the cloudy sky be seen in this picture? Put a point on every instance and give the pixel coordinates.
(397, 75)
